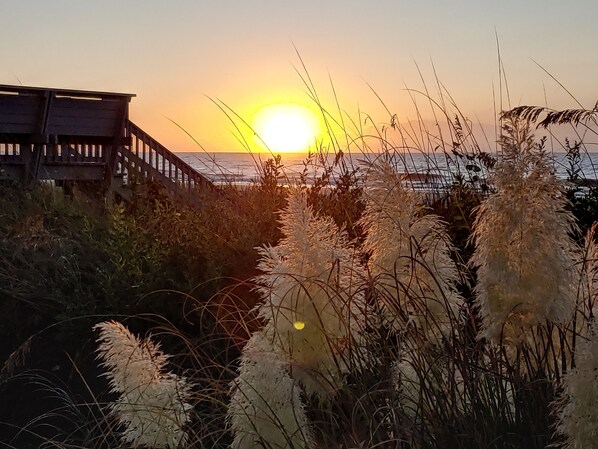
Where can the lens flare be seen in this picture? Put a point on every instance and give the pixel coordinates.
(299, 325)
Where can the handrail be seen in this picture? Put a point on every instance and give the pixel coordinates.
(151, 160)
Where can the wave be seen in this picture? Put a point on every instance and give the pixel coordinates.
(244, 168)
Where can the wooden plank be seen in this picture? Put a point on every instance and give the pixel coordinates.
(76, 164)
(16, 128)
(71, 107)
(98, 131)
(64, 92)
(20, 114)
(40, 116)
(72, 172)
(50, 150)
(12, 171)
(86, 118)
(11, 159)
(19, 104)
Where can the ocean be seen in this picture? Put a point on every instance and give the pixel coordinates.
(243, 168)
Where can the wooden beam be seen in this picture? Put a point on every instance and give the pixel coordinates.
(32, 169)
(72, 172)
(119, 132)
(62, 92)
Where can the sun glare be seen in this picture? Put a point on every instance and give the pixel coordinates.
(286, 128)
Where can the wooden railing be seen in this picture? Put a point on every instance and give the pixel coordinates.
(10, 153)
(74, 161)
(142, 157)
(147, 159)
(75, 153)
(139, 158)
(57, 153)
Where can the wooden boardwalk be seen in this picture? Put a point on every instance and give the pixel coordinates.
(72, 136)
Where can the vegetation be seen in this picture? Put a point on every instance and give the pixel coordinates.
(345, 313)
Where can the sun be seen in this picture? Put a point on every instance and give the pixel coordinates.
(286, 128)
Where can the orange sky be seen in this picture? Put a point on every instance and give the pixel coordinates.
(177, 55)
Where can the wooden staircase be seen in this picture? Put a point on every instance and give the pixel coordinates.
(146, 159)
(70, 136)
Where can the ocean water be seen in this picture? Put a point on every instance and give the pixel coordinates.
(242, 168)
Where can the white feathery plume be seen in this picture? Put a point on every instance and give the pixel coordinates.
(578, 406)
(152, 405)
(588, 307)
(409, 256)
(524, 254)
(313, 303)
(266, 408)
(408, 383)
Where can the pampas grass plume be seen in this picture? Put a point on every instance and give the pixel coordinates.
(312, 294)
(153, 405)
(409, 256)
(589, 291)
(578, 407)
(266, 408)
(524, 254)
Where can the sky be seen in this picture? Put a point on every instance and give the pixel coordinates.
(183, 58)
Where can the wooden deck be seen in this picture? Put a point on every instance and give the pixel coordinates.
(73, 135)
